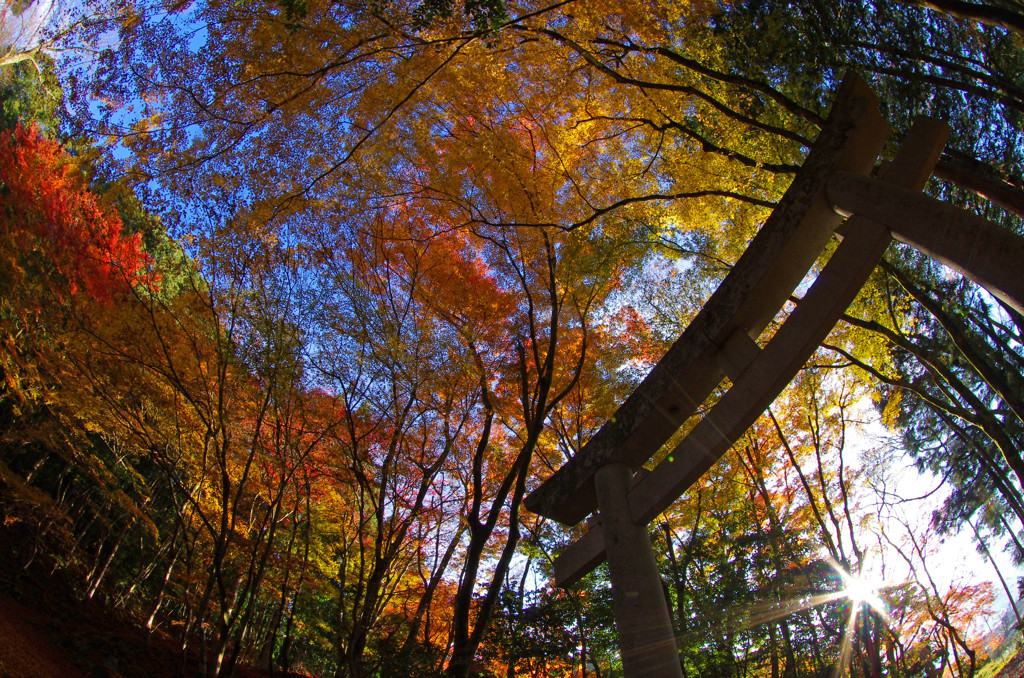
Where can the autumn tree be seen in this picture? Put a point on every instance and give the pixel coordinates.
(64, 253)
(141, 406)
(409, 400)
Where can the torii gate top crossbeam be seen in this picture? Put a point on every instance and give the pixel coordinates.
(833, 183)
(750, 296)
(721, 341)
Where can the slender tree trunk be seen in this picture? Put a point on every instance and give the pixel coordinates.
(999, 572)
(1003, 193)
(159, 596)
(423, 605)
(99, 576)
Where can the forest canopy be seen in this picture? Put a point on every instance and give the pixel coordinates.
(300, 299)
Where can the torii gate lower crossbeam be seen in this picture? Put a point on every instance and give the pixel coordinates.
(833, 182)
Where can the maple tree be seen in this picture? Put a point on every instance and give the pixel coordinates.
(406, 422)
(755, 557)
(64, 253)
(45, 202)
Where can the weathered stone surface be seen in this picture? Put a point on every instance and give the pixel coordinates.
(646, 638)
(978, 249)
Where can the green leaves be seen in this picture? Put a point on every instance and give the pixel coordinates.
(485, 16)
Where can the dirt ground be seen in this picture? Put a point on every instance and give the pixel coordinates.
(44, 637)
(1013, 668)
(46, 632)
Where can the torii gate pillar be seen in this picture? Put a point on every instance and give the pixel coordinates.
(646, 637)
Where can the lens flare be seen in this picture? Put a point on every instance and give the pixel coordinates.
(861, 590)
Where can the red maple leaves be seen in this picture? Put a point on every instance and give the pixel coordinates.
(53, 225)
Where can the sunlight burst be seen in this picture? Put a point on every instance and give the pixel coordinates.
(860, 589)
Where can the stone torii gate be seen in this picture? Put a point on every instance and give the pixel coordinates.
(722, 341)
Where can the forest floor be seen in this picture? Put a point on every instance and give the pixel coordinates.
(1013, 668)
(46, 631)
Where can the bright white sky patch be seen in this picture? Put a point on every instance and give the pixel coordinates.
(860, 589)
(21, 30)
